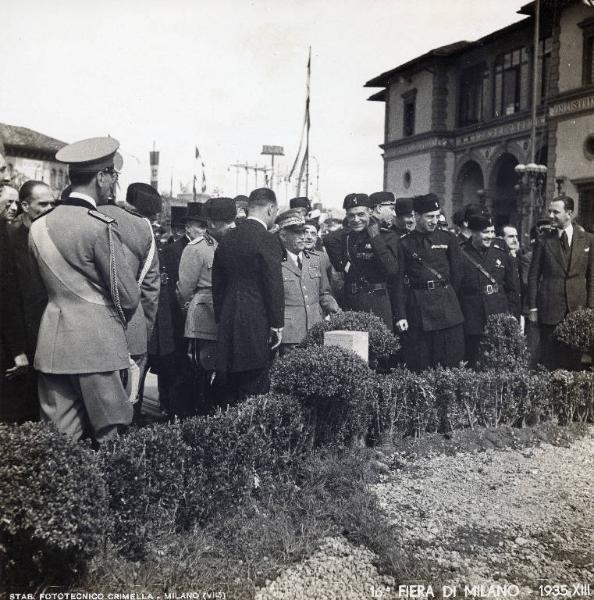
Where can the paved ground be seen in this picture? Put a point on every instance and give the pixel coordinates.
(498, 523)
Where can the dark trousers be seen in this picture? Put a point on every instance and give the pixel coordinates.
(239, 386)
(426, 349)
(556, 355)
(471, 349)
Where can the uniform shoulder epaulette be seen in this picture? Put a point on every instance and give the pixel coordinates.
(497, 244)
(101, 217)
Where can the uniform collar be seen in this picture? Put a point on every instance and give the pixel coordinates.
(80, 196)
(259, 221)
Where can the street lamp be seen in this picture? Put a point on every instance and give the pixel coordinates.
(531, 181)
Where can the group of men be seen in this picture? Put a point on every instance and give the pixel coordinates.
(102, 301)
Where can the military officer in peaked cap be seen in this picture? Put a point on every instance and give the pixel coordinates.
(366, 253)
(490, 282)
(308, 295)
(82, 353)
(194, 292)
(428, 282)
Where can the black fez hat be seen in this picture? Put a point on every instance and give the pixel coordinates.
(300, 202)
(426, 203)
(472, 209)
(479, 222)
(241, 201)
(354, 200)
(144, 198)
(221, 209)
(404, 206)
(381, 198)
(196, 211)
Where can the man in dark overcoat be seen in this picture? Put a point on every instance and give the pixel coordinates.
(490, 282)
(248, 297)
(429, 279)
(560, 280)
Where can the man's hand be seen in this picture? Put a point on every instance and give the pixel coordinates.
(21, 364)
(275, 338)
(533, 315)
(402, 325)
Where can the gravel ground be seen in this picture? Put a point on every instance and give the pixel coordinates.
(501, 517)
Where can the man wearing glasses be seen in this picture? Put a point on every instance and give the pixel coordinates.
(82, 355)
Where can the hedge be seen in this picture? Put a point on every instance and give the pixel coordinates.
(54, 505)
(577, 330)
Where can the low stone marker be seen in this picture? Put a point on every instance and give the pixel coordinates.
(357, 341)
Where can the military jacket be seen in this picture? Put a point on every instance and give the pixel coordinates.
(479, 296)
(307, 296)
(76, 254)
(194, 288)
(426, 301)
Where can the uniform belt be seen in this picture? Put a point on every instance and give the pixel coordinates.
(355, 287)
(485, 290)
(429, 285)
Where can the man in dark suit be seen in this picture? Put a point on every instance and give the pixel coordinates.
(560, 280)
(248, 297)
(175, 374)
(29, 297)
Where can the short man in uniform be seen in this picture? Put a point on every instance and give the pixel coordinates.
(404, 220)
(426, 299)
(367, 255)
(308, 296)
(490, 282)
(560, 280)
(194, 291)
(142, 256)
(82, 353)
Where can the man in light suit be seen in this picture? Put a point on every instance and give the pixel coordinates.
(308, 295)
(560, 280)
(82, 353)
(194, 293)
(247, 291)
(142, 257)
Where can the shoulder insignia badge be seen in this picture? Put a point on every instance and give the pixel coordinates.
(101, 217)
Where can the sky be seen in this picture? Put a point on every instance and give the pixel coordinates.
(227, 76)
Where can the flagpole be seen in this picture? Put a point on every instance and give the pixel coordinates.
(532, 207)
(307, 124)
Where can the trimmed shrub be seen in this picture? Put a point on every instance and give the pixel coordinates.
(503, 346)
(382, 343)
(334, 385)
(577, 330)
(573, 395)
(54, 505)
(248, 448)
(151, 482)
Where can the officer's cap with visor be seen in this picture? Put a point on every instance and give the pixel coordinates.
(92, 155)
(291, 220)
(355, 200)
(378, 198)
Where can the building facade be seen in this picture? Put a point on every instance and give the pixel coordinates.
(32, 155)
(458, 118)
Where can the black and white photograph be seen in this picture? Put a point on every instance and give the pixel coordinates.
(296, 299)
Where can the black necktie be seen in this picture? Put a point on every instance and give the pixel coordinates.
(299, 262)
(564, 242)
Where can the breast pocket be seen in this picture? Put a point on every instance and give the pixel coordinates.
(314, 272)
